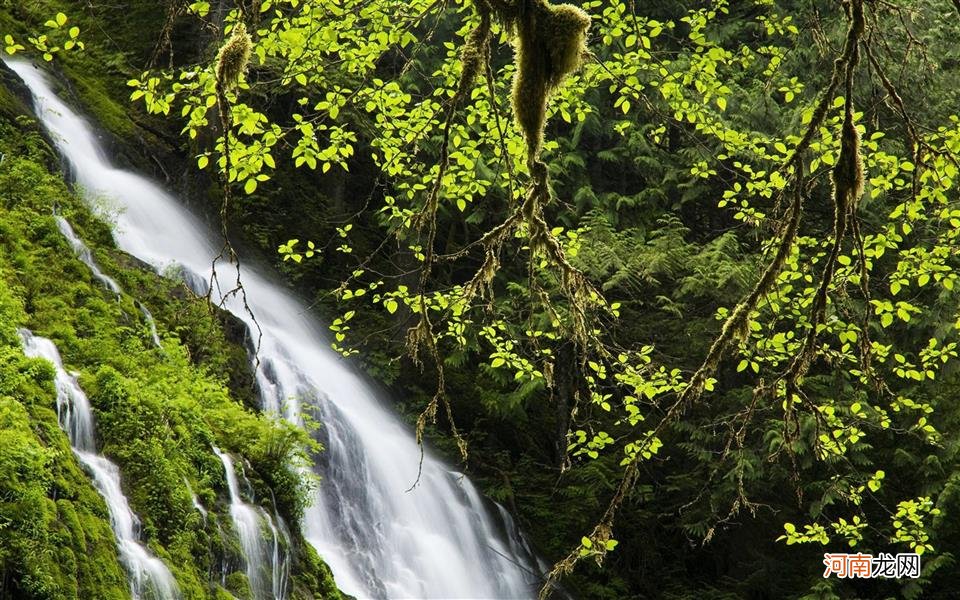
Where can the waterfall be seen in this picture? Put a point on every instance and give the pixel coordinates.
(149, 577)
(85, 256)
(437, 540)
(264, 560)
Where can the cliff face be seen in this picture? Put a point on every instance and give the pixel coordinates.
(159, 410)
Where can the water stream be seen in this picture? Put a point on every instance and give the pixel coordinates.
(440, 539)
(85, 256)
(152, 324)
(149, 577)
(196, 501)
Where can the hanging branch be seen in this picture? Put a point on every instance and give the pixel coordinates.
(176, 8)
(848, 186)
(475, 58)
(735, 326)
(847, 178)
(231, 63)
(549, 45)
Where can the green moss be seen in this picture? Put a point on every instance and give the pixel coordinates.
(312, 577)
(233, 57)
(222, 594)
(158, 411)
(10, 105)
(61, 548)
(97, 73)
(238, 585)
(549, 45)
(96, 101)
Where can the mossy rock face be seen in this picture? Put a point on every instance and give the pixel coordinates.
(222, 594)
(49, 548)
(312, 577)
(238, 585)
(14, 95)
(158, 411)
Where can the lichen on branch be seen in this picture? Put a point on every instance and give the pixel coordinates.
(233, 57)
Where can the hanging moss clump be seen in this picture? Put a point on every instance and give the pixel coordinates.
(233, 57)
(847, 176)
(550, 43)
(475, 54)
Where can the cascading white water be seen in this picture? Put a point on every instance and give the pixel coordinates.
(73, 408)
(85, 256)
(152, 324)
(196, 501)
(265, 562)
(278, 556)
(440, 539)
(149, 577)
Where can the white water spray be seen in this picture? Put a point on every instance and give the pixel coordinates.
(196, 501)
(149, 577)
(85, 256)
(440, 540)
(152, 324)
(265, 562)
